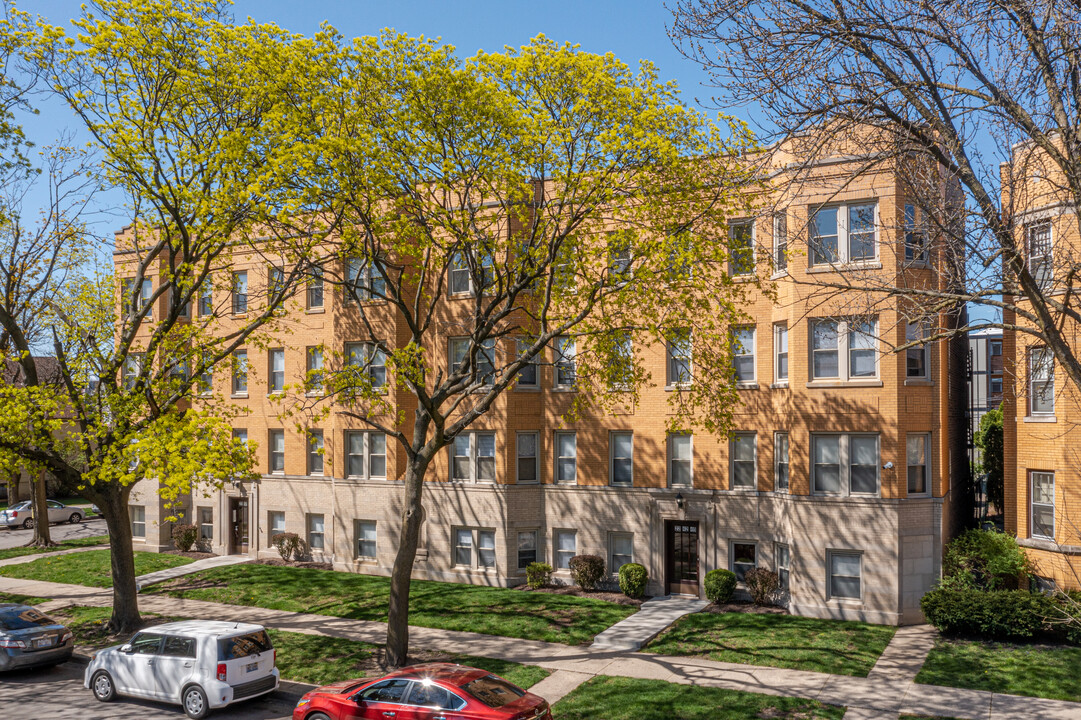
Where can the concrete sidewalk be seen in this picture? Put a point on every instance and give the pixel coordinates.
(652, 618)
(885, 693)
(181, 570)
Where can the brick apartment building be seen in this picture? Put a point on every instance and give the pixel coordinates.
(836, 474)
(1041, 412)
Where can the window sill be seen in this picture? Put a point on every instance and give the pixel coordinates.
(315, 311)
(779, 385)
(844, 383)
(239, 396)
(677, 387)
(778, 275)
(1040, 419)
(842, 267)
(747, 385)
(527, 388)
(918, 382)
(564, 388)
(621, 485)
(744, 277)
(741, 491)
(845, 601)
(239, 316)
(318, 393)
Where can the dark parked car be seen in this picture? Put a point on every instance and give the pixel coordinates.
(424, 692)
(30, 638)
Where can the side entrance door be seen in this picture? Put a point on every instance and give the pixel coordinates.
(681, 556)
(238, 522)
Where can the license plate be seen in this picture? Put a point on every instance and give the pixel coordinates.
(44, 642)
(251, 667)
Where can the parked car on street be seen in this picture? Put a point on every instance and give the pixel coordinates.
(201, 665)
(29, 638)
(22, 514)
(432, 691)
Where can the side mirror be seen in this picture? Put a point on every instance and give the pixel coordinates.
(126, 648)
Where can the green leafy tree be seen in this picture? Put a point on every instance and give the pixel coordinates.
(989, 440)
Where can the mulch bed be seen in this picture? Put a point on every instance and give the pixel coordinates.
(744, 607)
(612, 597)
(278, 562)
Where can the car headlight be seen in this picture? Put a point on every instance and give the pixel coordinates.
(67, 636)
(303, 701)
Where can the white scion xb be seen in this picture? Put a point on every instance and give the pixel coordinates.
(200, 664)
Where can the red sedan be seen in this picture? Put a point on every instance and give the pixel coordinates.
(435, 691)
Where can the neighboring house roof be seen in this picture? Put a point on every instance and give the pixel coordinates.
(48, 369)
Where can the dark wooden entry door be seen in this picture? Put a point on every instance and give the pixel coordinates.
(238, 526)
(681, 556)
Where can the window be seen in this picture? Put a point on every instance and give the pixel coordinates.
(1038, 241)
(566, 458)
(146, 289)
(527, 375)
(566, 547)
(314, 377)
(132, 369)
(276, 377)
(465, 539)
(680, 462)
(138, 520)
(240, 292)
(366, 454)
(919, 469)
(996, 384)
(527, 549)
(744, 558)
(780, 242)
(315, 288)
(276, 523)
(742, 465)
(843, 234)
(741, 248)
(240, 434)
(483, 358)
(460, 276)
(179, 647)
(619, 258)
(366, 539)
(917, 357)
(743, 354)
(473, 457)
(275, 282)
(565, 367)
(679, 357)
(844, 464)
(175, 295)
(315, 452)
(486, 548)
(1042, 496)
(780, 353)
(845, 572)
(860, 359)
(621, 458)
(388, 691)
(370, 360)
(620, 551)
(621, 367)
(315, 531)
(206, 299)
(204, 383)
(463, 547)
(240, 372)
(915, 237)
(277, 451)
(784, 567)
(364, 280)
(1041, 372)
(780, 462)
(996, 348)
(527, 457)
(206, 523)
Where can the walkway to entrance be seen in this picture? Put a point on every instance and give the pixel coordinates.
(174, 572)
(651, 619)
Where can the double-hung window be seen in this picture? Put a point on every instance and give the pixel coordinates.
(844, 349)
(527, 549)
(919, 468)
(743, 354)
(366, 454)
(275, 523)
(565, 370)
(780, 242)
(679, 357)
(276, 382)
(240, 372)
(473, 457)
(744, 558)
(364, 279)
(844, 464)
(620, 551)
(206, 523)
(315, 288)
(784, 566)
(915, 236)
(1041, 373)
(314, 378)
(315, 452)
(316, 531)
(741, 248)
(483, 358)
(566, 458)
(844, 234)
(1039, 257)
(528, 455)
(204, 383)
(240, 435)
(138, 520)
(240, 292)
(620, 258)
(845, 575)
(366, 539)
(621, 369)
(780, 353)
(460, 276)
(206, 298)
(527, 375)
(468, 539)
(917, 357)
(368, 359)
(132, 369)
(275, 282)
(1042, 494)
(566, 547)
(680, 460)
(621, 458)
(277, 451)
(742, 466)
(780, 461)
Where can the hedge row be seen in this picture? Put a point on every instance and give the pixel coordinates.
(1005, 615)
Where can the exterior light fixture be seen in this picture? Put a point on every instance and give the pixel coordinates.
(679, 500)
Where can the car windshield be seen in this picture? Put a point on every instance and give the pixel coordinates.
(23, 617)
(493, 691)
(243, 645)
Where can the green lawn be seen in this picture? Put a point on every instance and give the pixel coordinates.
(1047, 671)
(452, 606)
(784, 641)
(65, 545)
(88, 568)
(615, 698)
(21, 599)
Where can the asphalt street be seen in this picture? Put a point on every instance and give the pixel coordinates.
(44, 694)
(89, 528)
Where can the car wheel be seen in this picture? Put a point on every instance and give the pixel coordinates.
(75, 518)
(195, 704)
(317, 716)
(102, 685)
(28, 523)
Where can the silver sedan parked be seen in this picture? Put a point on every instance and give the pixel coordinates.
(29, 638)
(22, 514)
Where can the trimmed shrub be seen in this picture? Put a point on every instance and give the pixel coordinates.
(720, 584)
(1005, 615)
(763, 585)
(984, 560)
(633, 579)
(587, 571)
(185, 536)
(290, 546)
(538, 575)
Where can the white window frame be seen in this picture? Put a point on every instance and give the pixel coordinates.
(477, 535)
(314, 295)
(753, 354)
(778, 486)
(526, 534)
(780, 243)
(844, 240)
(137, 514)
(311, 532)
(922, 352)
(560, 558)
(735, 227)
(519, 457)
(474, 436)
(780, 352)
(272, 531)
(844, 350)
(830, 595)
(206, 299)
(367, 284)
(241, 434)
(925, 439)
(680, 367)
(1032, 504)
(206, 526)
(366, 455)
(564, 368)
(915, 236)
(732, 557)
(1042, 266)
(316, 462)
(371, 358)
(358, 529)
(672, 459)
(485, 371)
(239, 380)
(313, 358)
(782, 553)
(612, 457)
(622, 364)
(272, 434)
(275, 378)
(1041, 371)
(558, 457)
(239, 298)
(521, 346)
(613, 569)
(732, 443)
(845, 466)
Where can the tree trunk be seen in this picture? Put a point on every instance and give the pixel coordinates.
(42, 537)
(13, 488)
(113, 502)
(398, 610)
